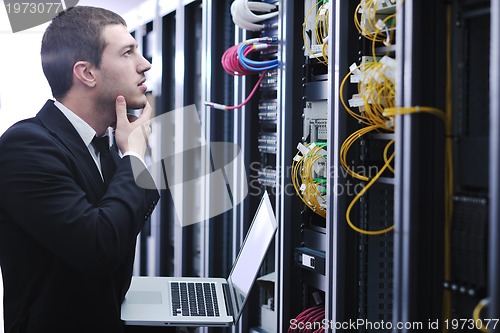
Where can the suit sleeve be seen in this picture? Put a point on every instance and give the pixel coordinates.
(40, 194)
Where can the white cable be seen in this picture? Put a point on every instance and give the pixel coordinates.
(249, 7)
(242, 23)
(240, 17)
(244, 17)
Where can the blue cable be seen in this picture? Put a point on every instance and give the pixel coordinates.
(252, 64)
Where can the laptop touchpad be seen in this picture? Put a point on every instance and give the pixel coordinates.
(144, 297)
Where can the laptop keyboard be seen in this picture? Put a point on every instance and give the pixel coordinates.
(194, 299)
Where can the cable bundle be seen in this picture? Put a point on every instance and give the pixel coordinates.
(375, 98)
(376, 94)
(310, 320)
(244, 17)
(376, 91)
(318, 32)
(308, 164)
(370, 25)
(235, 62)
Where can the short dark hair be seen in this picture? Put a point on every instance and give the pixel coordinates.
(74, 35)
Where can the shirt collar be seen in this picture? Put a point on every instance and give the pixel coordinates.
(86, 132)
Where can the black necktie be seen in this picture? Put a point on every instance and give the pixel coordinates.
(107, 165)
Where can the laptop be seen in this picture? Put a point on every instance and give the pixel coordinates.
(199, 301)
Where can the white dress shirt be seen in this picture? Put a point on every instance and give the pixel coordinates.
(87, 133)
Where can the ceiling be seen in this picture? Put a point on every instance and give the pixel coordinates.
(118, 6)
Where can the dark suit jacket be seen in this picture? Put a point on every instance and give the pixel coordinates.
(67, 243)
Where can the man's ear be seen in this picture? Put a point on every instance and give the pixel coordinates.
(84, 72)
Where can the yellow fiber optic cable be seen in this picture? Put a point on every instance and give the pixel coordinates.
(346, 145)
(376, 95)
(476, 315)
(363, 191)
(303, 181)
(391, 112)
(369, 11)
(304, 37)
(386, 159)
(448, 212)
(388, 39)
(321, 34)
(353, 114)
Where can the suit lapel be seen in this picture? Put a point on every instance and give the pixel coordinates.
(61, 128)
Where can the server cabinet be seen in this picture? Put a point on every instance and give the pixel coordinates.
(399, 247)
(419, 205)
(445, 76)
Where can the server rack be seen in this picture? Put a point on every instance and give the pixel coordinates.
(400, 276)
(458, 231)
(420, 83)
(289, 96)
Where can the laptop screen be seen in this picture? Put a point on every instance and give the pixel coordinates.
(252, 252)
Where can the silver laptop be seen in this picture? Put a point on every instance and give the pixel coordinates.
(183, 301)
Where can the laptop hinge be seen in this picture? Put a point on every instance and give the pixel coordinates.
(228, 299)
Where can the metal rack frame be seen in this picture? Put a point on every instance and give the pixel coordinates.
(494, 166)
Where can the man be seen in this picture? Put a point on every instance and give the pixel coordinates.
(68, 223)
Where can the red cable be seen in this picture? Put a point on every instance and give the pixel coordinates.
(231, 64)
(250, 95)
(316, 317)
(305, 313)
(309, 315)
